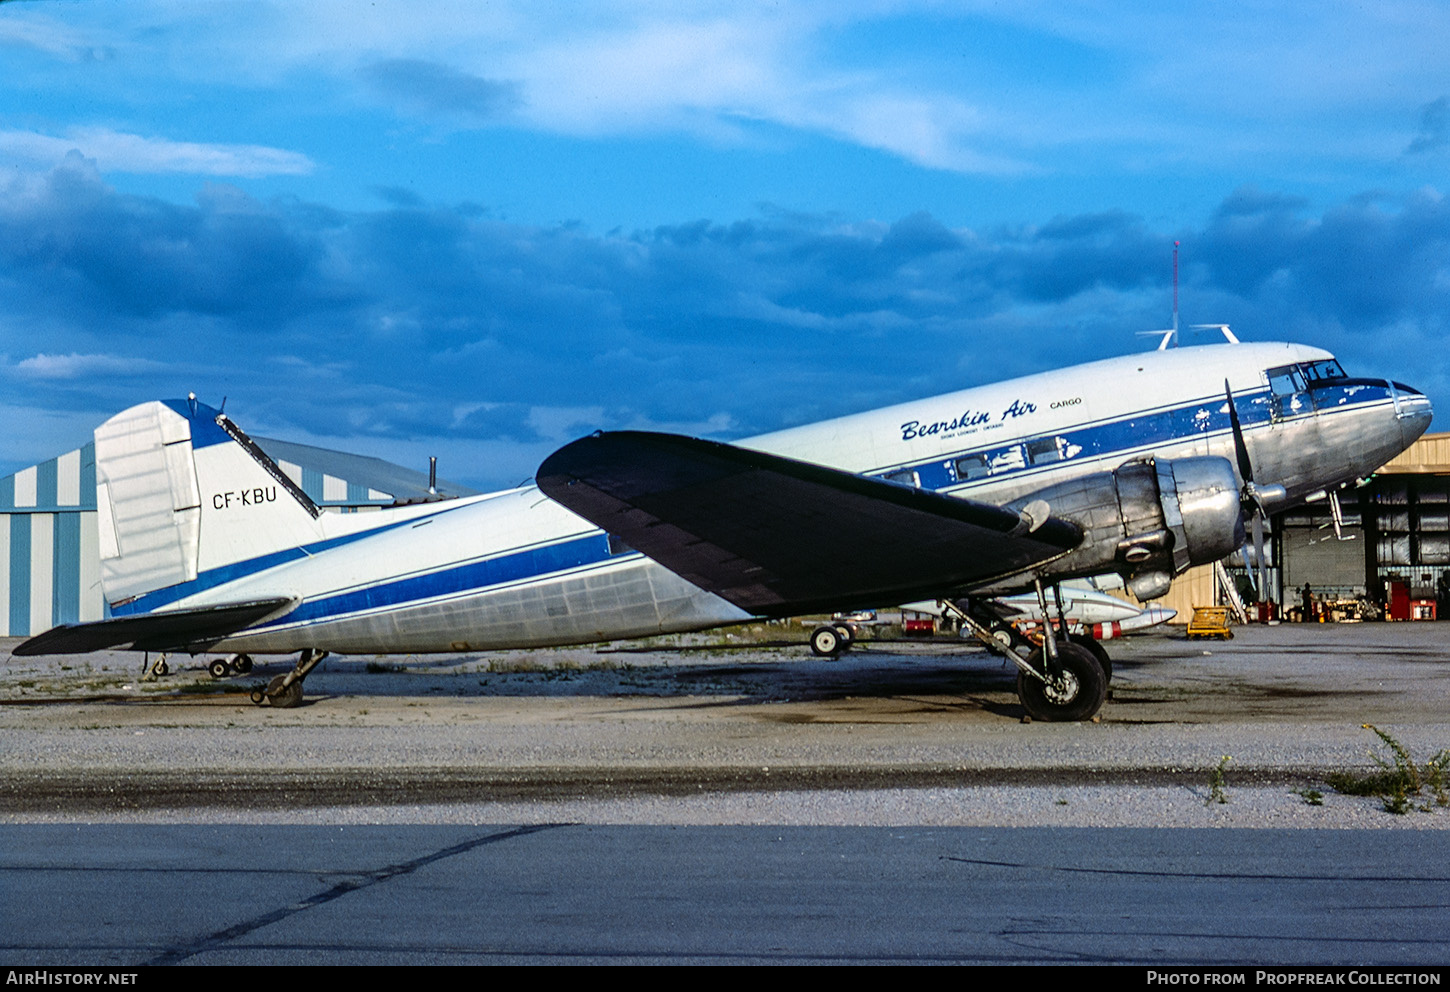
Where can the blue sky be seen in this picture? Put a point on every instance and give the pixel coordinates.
(479, 230)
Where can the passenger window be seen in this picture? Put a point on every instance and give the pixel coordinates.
(1043, 450)
(1051, 449)
(972, 467)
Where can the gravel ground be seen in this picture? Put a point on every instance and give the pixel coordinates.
(724, 731)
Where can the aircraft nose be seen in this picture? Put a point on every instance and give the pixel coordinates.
(1413, 410)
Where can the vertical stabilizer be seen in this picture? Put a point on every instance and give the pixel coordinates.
(180, 490)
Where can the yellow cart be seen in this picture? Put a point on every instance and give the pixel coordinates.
(1210, 621)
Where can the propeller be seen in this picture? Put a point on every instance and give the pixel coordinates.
(1252, 497)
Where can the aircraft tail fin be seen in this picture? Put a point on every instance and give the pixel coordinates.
(181, 491)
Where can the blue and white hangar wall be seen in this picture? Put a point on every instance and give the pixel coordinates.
(49, 544)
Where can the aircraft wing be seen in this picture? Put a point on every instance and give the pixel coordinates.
(153, 631)
(779, 537)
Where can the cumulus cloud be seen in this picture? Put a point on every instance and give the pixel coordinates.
(118, 151)
(73, 366)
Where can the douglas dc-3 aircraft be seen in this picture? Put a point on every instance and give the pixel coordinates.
(1142, 466)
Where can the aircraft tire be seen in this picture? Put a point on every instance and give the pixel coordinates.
(284, 699)
(826, 642)
(848, 635)
(219, 669)
(161, 668)
(242, 664)
(1082, 695)
(1098, 652)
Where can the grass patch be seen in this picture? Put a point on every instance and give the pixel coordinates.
(1217, 791)
(1400, 783)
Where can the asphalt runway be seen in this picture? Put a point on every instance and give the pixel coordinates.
(724, 801)
(580, 894)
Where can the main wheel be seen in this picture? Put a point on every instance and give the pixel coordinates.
(1098, 651)
(826, 642)
(219, 668)
(242, 664)
(286, 698)
(848, 635)
(1077, 695)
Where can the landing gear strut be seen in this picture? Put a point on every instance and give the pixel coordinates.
(285, 691)
(1063, 680)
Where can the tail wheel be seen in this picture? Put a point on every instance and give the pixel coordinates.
(1077, 695)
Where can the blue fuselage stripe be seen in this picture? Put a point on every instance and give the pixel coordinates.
(466, 578)
(214, 577)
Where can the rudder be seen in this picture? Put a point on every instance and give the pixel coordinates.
(181, 490)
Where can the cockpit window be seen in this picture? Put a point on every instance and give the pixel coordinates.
(1286, 379)
(1324, 371)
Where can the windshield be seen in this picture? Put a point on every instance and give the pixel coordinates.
(1322, 371)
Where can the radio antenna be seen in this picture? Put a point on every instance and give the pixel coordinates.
(1169, 335)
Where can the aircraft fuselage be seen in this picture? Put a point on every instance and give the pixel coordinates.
(515, 569)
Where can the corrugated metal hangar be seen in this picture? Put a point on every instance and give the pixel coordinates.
(49, 544)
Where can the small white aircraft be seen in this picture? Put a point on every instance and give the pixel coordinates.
(1141, 466)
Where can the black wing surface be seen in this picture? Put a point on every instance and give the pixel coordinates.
(153, 631)
(780, 537)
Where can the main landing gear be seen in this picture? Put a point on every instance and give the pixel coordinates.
(1065, 679)
(285, 691)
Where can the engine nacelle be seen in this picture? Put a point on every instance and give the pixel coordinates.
(1148, 520)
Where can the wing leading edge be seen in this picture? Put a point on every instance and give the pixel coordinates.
(779, 537)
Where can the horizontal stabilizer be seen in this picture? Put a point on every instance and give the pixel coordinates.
(162, 631)
(780, 537)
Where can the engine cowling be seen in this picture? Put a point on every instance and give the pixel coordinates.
(1148, 520)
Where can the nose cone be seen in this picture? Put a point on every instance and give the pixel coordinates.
(1412, 409)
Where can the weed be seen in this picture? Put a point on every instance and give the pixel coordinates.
(1399, 780)
(1311, 797)
(1216, 791)
(380, 667)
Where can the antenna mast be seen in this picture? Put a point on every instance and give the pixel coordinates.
(1175, 292)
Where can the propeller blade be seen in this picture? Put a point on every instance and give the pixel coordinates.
(1246, 468)
(1259, 554)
